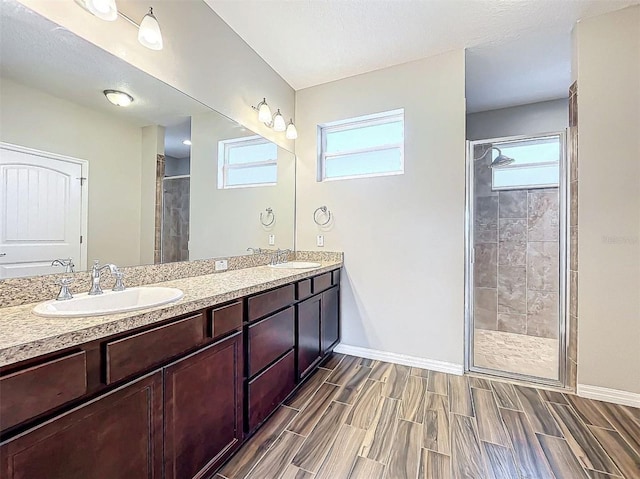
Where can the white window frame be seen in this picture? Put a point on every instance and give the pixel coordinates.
(521, 166)
(355, 123)
(224, 148)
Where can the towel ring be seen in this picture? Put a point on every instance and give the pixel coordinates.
(265, 218)
(324, 210)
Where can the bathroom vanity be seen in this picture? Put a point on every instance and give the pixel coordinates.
(185, 390)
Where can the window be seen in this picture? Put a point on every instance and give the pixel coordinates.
(536, 165)
(248, 161)
(370, 145)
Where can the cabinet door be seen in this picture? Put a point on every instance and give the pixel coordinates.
(116, 436)
(203, 409)
(309, 350)
(330, 318)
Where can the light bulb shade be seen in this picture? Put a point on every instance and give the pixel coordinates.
(103, 9)
(118, 98)
(264, 112)
(278, 122)
(292, 132)
(149, 32)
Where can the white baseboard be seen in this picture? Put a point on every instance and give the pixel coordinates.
(413, 361)
(616, 396)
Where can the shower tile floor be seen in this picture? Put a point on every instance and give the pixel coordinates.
(516, 353)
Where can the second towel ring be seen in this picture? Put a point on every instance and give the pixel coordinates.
(264, 220)
(327, 214)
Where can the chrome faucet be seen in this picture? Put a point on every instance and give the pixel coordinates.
(255, 250)
(67, 264)
(280, 256)
(96, 269)
(65, 281)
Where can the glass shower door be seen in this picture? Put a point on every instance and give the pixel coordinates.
(516, 251)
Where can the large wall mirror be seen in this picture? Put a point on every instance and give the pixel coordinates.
(163, 179)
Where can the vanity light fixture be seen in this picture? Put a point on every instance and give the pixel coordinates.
(149, 31)
(292, 132)
(186, 142)
(103, 9)
(118, 98)
(276, 121)
(264, 112)
(149, 34)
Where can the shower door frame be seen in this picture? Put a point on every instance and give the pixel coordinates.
(564, 243)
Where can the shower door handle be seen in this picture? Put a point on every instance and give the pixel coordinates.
(473, 255)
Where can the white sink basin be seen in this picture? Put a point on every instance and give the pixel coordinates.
(110, 302)
(296, 265)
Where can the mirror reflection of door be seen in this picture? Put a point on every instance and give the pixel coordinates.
(41, 211)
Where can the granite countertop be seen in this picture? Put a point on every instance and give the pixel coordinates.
(23, 335)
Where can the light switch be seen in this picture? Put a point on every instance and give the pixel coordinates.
(272, 240)
(320, 240)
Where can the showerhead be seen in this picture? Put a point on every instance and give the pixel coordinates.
(500, 160)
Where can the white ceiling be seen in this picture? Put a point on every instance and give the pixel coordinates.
(519, 51)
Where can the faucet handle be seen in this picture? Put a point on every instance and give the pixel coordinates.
(64, 292)
(119, 285)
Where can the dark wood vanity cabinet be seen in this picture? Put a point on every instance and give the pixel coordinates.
(118, 435)
(203, 409)
(171, 400)
(330, 319)
(309, 348)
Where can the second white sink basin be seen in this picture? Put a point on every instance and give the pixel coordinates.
(296, 265)
(109, 302)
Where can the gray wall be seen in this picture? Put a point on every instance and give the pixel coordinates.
(543, 117)
(402, 235)
(176, 166)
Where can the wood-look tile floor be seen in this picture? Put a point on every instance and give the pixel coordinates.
(357, 418)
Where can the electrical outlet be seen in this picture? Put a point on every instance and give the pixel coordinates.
(272, 240)
(221, 265)
(320, 240)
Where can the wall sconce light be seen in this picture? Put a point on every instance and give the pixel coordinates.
(149, 34)
(292, 132)
(276, 121)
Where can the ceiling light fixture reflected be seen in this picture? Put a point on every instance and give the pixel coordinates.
(118, 98)
(186, 142)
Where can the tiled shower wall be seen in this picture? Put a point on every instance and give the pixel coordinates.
(175, 223)
(516, 270)
(572, 340)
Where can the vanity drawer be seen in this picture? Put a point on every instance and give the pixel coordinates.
(225, 319)
(270, 338)
(268, 390)
(139, 352)
(321, 282)
(266, 303)
(37, 389)
(303, 289)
